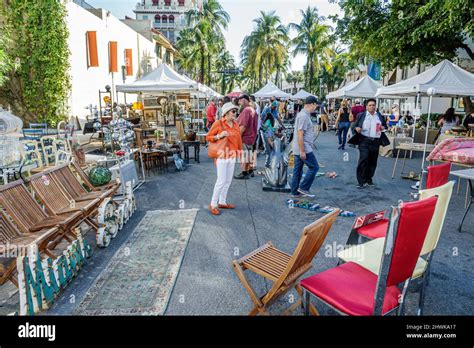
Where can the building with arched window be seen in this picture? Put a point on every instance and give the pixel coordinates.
(167, 16)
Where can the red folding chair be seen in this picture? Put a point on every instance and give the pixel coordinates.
(438, 175)
(354, 290)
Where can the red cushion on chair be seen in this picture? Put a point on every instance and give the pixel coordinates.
(350, 288)
(374, 230)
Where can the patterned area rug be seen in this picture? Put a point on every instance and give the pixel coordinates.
(141, 275)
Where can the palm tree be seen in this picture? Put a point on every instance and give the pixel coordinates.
(264, 51)
(313, 40)
(207, 24)
(295, 77)
(225, 61)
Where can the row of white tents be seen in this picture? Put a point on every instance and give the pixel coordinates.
(445, 80)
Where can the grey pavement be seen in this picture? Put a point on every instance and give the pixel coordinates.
(207, 284)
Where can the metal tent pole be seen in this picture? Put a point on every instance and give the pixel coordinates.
(430, 93)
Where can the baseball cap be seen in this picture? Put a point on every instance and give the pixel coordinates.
(244, 96)
(310, 100)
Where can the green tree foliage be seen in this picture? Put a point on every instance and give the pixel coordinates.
(313, 39)
(403, 32)
(265, 51)
(5, 61)
(295, 77)
(38, 85)
(203, 42)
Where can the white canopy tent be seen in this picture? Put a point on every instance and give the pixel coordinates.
(446, 78)
(271, 90)
(365, 87)
(443, 80)
(302, 94)
(163, 79)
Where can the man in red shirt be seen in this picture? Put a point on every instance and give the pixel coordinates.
(248, 122)
(357, 108)
(211, 114)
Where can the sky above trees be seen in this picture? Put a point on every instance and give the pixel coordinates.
(242, 13)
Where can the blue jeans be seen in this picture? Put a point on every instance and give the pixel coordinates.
(313, 168)
(343, 130)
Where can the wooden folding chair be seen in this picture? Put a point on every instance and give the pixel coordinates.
(14, 242)
(28, 215)
(58, 201)
(108, 211)
(85, 179)
(64, 175)
(281, 268)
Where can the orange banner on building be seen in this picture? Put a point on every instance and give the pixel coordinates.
(92, 55)
(129, 61)
(113, 65)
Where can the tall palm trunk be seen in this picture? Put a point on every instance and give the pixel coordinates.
(203, 66)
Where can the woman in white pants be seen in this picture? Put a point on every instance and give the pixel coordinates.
(227, 127)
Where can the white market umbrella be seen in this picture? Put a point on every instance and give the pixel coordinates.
(271, 90)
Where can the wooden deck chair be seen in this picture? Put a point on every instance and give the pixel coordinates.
(28, 215)
(13, 242)
(58, 201)
(85, 179)
(64, 175)
(281, 268)
(369, 255)
(351, 289)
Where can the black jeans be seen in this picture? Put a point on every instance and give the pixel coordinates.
(368, 155)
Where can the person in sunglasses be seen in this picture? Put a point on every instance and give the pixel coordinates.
(227, 127)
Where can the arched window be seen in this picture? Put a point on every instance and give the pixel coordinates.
(157, 18)
(180, 2)
(171, 19)
(167, 2)
(164, 19)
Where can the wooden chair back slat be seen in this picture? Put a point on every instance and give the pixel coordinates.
(50, 192)
(310, 243)
(69, 181)
(21, 206)
(8, 231)
(82, 175)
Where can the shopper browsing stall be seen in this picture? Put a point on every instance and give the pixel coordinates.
(303, 150)
(369, 126)
(248, 129)
(226, 131)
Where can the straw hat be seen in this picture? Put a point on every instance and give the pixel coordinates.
(227, 107)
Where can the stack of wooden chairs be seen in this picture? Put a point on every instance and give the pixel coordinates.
(50, 207)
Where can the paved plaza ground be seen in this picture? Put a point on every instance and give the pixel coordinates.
(207, 284)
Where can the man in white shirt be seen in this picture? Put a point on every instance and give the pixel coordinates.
(370, 125)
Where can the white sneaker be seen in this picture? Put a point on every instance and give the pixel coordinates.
(306, 193)
(416, 186)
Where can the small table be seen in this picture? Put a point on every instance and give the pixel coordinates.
(469, 175)
(154, 157)
(410, 147)
(186, 145)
